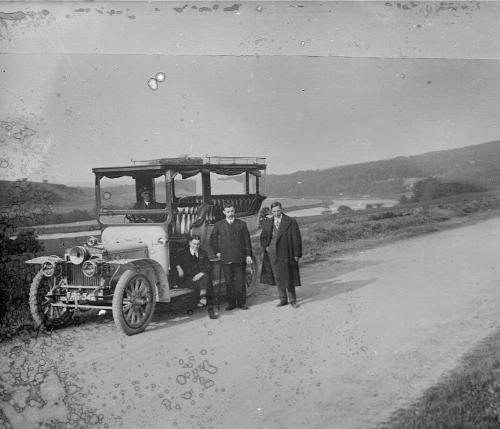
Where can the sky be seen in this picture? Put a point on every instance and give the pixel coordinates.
(307, 85)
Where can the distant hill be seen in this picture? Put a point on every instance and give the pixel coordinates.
(478, 164)
(62, 198)
(34, 193)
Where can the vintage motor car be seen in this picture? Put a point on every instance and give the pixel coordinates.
(131, 266)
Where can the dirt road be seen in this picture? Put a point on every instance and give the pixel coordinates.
(374, 329)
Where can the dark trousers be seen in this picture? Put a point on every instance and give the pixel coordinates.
(234, 274)
(205, 283)
(284, 285)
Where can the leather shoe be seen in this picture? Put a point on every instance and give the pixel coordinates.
(243, 307)
(281, 304)
(230, 307)
(213, 315)
(294, 305)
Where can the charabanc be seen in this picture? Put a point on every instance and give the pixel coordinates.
(130, 267)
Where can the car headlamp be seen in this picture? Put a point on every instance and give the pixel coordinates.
(77, 255)
(89, 268)
(48, 269)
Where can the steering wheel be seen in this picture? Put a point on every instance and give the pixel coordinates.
(135, 219)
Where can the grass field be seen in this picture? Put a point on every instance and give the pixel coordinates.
(334, 234)
(466, 397)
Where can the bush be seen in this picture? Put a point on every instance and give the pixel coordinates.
(344, 210)
(384, 215)
(25, 242)
(16, 277)
(431, 189)
(15, 281)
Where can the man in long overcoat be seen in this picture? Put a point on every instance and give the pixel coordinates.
(230, 241)
(282, 244)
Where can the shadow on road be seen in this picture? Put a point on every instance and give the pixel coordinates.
(331, 289)
(319, 281)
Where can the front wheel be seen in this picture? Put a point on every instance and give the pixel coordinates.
(134, 302)
(43, 311)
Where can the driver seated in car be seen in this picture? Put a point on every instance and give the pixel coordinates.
(147, 203)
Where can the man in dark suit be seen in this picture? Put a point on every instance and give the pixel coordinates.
(230, 241)
(194, 267)
(282, 244)
(146, 203)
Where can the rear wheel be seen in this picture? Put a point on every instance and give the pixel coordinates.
(43, 311)
(134, 302)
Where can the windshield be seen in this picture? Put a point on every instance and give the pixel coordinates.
(132, 200)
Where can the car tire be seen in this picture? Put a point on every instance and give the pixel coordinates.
(44, 314)
(134, 301)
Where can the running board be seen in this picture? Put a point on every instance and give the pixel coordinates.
(180, 291)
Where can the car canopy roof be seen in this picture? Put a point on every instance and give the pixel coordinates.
(186, 166)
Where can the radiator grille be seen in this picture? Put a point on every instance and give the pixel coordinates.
(76, 277)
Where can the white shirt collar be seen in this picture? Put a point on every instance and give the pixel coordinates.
(193, 252)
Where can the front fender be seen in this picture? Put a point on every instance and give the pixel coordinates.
(152, 269)
(42, 259)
